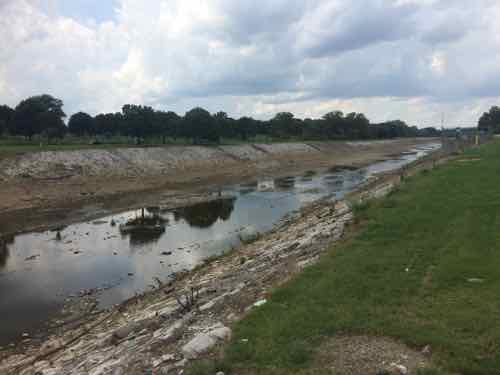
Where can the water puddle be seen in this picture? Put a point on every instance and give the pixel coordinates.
(40, 271)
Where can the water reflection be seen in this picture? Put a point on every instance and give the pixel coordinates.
(204, 215)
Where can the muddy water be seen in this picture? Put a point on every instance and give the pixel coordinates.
(40, 271)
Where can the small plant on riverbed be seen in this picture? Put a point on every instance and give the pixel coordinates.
(187, 301)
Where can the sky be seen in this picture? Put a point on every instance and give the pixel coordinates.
(414, 60)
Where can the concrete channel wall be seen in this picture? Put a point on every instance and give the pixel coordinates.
(162, 160)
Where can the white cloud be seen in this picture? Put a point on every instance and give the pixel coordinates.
(387, 58)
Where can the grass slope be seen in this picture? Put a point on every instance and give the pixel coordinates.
(444, 226)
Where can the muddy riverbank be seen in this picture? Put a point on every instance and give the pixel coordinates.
(55, 188)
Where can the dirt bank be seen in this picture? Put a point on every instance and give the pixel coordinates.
(57, 187)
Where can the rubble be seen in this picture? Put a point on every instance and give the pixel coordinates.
(154, 331)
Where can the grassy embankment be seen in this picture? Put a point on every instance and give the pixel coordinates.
(13, 146)
(444, 226)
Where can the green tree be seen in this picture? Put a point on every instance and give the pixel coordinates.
(165, 124)
(139, 121)
(199, 125)
(490, 121)
(6, 115)
(38, 114)
(81, 124)
(285, 125)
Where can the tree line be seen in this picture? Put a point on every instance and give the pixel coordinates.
(490, 121)
(43, 115)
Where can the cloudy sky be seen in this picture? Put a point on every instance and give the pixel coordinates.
(408, 59)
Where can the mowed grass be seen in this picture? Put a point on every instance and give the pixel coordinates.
(404, 275)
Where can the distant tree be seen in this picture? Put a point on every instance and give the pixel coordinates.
(6, 115)
(166, 124)
(333, 125)
(490, 121)
(428, 132)
(38, 114)
(108, 124)
(139, 121)
(200, 125)
(81, 124)
(56, 131)
(223, 125)
(285, 125)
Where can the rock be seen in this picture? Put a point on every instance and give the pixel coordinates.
(166, 253)
(260, 303)
(403, 370)
(221, 333)
(132, 327)
(207, 306)
(249, 234)
(200, 344)
(171, 333)
(219, 373)
(163, 359)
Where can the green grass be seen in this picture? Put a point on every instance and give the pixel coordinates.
(444, 226)
(15, 145)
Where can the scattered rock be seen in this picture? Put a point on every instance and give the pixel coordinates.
(200, 344)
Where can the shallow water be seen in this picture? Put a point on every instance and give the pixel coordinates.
(39, 271)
